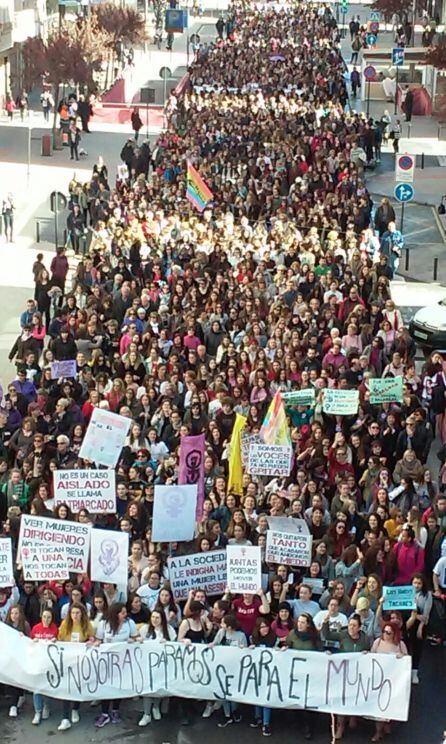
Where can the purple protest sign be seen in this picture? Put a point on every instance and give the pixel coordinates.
(192, 466)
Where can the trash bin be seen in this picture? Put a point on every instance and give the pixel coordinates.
(46, 145)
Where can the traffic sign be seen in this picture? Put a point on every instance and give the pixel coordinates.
(165, 73)
(371, 39)
(369, 72)
(58, 201)
(374, 27)
(398, 56)
(375, 15)
(404, 168)
(404, 192)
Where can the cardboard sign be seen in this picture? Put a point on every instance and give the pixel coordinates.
(340, 402)
(105, 438)
(399, 597)
(174, 509)
(206, 571)
(56, 534)
(290, 548)
(304, 397)
(94, 490)
(41, 563)
(6, 568)
(109, 556)
(65, 368)
(386, 390)
(269, 459)
(244, 568)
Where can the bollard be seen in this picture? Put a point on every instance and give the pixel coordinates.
(435, 269)
(406, 262)
(37, 231)
(65, 236)
(422, 161)
(409, 127)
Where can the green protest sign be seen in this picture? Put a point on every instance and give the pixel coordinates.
(340, 402)
(299, 397)
(386, 390)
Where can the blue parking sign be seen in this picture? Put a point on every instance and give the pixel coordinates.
(404, 192)
(398, 56)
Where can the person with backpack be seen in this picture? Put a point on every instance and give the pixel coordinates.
(356, 48)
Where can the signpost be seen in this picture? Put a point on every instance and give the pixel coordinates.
(58, 202)
(397, 61)
(344, 9)
(404, 168)
(369, 74)
(165, 74)
(147, 96)
(371, 40)
(374, 27)
(404, 192)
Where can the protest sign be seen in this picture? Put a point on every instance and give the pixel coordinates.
(206, 571)
(340, 402)
(105, 437)
(399, 597)
(109, 556)
(73, 537)
(174, 509)
(6, 569)
(244, 567)
(386, 390)
(65, 368)
(289, 548)
(42, 563)
(269, 459)
(86, 489)
(191, 470)
(246, 439)
(288, 524)
(356, 684)
(317, 585)
(304, 397)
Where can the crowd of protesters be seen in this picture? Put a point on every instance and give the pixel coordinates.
(180, 320)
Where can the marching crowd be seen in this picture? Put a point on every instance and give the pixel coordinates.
(179, 320)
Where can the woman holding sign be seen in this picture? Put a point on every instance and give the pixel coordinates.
(76, 628)
(16, 619)
(263, 637)
(389, 643)
(418, 621)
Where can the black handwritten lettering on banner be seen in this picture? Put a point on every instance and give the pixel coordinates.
(361, 684)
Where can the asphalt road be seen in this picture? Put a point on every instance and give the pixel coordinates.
(426, 723)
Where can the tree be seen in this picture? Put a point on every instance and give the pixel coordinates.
(401, 8)
(121, 25)
(63, 59)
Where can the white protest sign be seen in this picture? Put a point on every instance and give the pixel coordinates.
(6, 569)
(206, 571)
(174, 510)
(290, 548)
(340, 402)
(269, 459)
(105, 437)
(244, 568)
(246, 440)
(57, 533)
(109, 556)
(289, 524)
(305, 397)
(42, 563)
(377, 685)
(64, 368)
(94, 490)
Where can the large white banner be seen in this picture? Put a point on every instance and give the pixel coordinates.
(86, 489)
(206, 571)
(6, 569)
(105, 438)
(269, 459)
(375, 685)
(244, 568)
(109, 556)
(72, 537)
(174, 509)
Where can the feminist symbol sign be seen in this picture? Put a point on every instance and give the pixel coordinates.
(192, 466)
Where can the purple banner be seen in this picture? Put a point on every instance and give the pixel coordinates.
(192, 466)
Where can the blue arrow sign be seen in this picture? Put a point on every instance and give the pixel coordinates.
(398, 56)
(404, 192)
(371, 39)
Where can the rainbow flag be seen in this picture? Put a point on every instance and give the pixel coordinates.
(197, 191)
(275, 429)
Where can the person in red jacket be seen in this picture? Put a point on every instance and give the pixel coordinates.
(348, 305)
(338, 464)
(409, 557)
(46, 630)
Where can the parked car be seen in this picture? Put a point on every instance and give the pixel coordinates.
(428, 326)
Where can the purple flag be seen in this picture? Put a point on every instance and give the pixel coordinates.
(192, 466)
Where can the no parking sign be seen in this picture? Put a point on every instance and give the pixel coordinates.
(404, 168)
